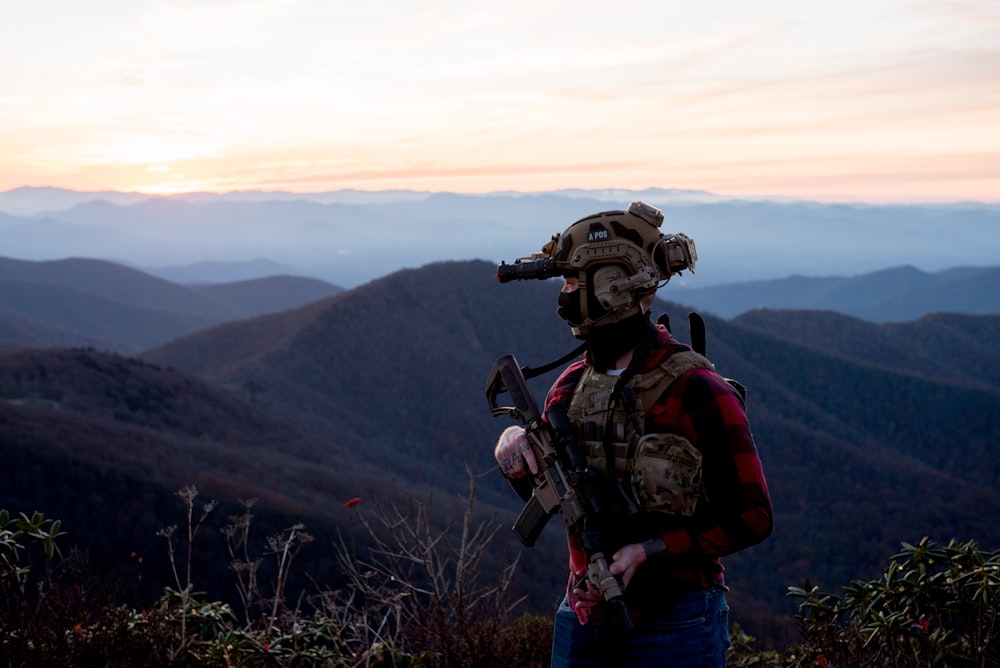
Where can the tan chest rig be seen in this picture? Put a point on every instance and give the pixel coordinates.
(661, 472)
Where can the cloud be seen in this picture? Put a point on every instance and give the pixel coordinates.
(456, 94)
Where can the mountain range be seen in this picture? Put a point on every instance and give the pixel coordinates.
(95, 303)
(348, 238)
(81, 302)
(870, 433)
(897, 294)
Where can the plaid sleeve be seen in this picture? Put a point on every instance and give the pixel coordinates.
(737, 512)
(562, 389)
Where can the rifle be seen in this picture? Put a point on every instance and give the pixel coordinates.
(564, 482)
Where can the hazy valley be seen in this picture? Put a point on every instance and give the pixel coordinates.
(350, 238)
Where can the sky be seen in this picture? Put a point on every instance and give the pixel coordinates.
(873, 100)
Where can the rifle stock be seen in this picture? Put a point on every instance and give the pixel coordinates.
(563, 484)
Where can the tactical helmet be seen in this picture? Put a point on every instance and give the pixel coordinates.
(620, 259)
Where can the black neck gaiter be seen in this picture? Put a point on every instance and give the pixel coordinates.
(609, 342)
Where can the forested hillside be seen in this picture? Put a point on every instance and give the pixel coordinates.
(383, 387)
(953, 347)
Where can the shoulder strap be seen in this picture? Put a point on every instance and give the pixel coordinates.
(654, 383)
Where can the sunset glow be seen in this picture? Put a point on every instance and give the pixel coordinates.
(892, 100)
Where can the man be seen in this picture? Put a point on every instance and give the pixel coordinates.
(670, 440)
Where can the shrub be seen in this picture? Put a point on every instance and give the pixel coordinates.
(423, 589)
(418, 598)
(935, 605)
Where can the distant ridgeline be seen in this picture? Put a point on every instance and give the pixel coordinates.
(83, 302)
(891, 295)
(348, 238)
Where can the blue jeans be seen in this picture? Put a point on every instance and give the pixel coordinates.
(694, 633)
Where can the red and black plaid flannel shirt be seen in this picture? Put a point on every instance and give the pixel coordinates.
(736, 511)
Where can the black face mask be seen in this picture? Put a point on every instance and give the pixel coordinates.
(608, 343)
(569, 308)
(569, 305)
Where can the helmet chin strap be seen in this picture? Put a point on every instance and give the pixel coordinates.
(589, 323)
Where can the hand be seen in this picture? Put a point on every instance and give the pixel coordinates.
(584, 596)
(627, 560)
(514, 454)
(625, 563)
